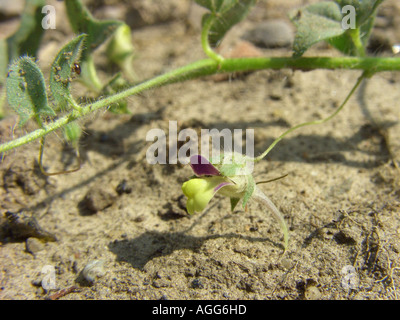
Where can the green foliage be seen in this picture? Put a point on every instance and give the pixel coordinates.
(25, 85)
(364, 8)
(26, 88)
(26, 39)
(314, 23)
(62, 71)
(323, 21)
(224, 14)
(26, 91)
(72, 134)
(98, 31)
(82, 21)
(116, 84)
(345, 42)
(120, 50)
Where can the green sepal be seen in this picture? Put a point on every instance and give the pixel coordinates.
(230, 164)
(234, 202)
(230, 169)
(250, 187)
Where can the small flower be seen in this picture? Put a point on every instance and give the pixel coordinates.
(201, 190)
(230, 179)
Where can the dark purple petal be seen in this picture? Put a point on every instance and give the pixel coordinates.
(202, 167)
(223, 184)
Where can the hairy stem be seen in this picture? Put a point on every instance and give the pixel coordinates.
(356, 37)
(208, 67)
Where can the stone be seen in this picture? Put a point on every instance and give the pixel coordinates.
(33, 245)
(271, 34)
(312, 293)
(11, 8)
(95, 200)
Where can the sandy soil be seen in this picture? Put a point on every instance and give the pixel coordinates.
(340, 198)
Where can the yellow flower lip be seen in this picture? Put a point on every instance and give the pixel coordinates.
(210, 180)
(200, 191)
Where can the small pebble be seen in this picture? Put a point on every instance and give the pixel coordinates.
(96, 199)
(271, 34)
(33, 245)
(197, 284)
(11, 8)
(123, 187)
(93, 270)
(286, 263)
(23, 225)
(312, 293)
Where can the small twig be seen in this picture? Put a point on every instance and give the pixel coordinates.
(62, 293)
(285, 276)
(274, 179)
(60, 172)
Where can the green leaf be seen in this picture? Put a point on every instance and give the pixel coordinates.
(315, 22)
(63, 69)
(82, 21)
(365, 17)
(213, 5)
(98, 32)
(323, 21)
(26, 91)
(345, 44)
(26, 39)
(365, 9)
(251, 185)
(224, 15)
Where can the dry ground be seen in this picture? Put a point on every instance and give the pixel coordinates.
(340, 198)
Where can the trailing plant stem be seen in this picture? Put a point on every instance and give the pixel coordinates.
(42, 142)
(208, 67)
(206, 44)
(264, 154)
